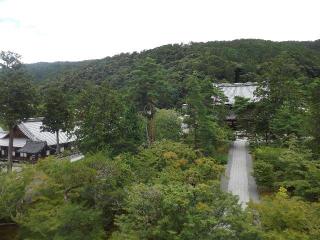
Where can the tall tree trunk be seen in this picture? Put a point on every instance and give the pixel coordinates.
(10, 149)
(195, 136)
(151, 130)
(267, 137)
(58, 144)
(147, 133)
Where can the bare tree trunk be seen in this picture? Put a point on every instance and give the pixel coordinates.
(266, 137)
(58, 144)
(10, 149)
(147, 134)
(151, 130)
(196, 136)
(149, 110)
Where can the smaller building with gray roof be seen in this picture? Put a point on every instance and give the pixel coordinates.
(31, 142)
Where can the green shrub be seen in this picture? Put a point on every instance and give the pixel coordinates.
(268, 154)
(287, 218)
(264, 174)
(289, 167)
(168, 125)
(180, 211)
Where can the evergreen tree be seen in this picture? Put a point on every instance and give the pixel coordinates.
(314, 115)
(281, 83)
(106, 121)
(57, 112)
(148, 91)
(205, 129)
(16, 95)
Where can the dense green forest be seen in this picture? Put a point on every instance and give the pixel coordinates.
(219, 60)
(229, 61)
(142, 176)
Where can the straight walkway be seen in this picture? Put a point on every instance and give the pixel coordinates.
(239, 180)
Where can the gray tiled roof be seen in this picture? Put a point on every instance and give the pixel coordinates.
(232, 90)
(3, 134)
(33, 130)
(32, 147)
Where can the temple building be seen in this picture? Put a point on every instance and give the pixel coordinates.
(30, 142)
(233, 90)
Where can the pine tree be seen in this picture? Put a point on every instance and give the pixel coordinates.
(148, 90)
(17, 95)
(57, 114)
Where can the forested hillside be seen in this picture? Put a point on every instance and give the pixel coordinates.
(238, 60)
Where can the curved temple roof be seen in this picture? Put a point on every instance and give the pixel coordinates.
(32, 147)
(232, 90)
(33, 130)
(2, 133)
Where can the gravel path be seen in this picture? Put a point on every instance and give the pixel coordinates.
(238, 179)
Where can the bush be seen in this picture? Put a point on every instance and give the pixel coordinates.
(181, 211)
(264, 175)
(282, 217)
(57, 199)
(168, 125)
(268, 154)
(151, 161)
(289, 167)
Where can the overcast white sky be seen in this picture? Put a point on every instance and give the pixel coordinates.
(69, 30)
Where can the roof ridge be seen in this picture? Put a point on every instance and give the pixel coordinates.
(27, 132)
(35, 119)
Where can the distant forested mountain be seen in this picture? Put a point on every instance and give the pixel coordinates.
(223, 61)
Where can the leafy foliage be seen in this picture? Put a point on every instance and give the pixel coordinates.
(17, 95)
(177, 211)
(62, 200)
(217, 59)
(101, 196)
(17, 92)
(288, 218)
(168, 125)
(313, 116)
(106, 122)
(169, 190)
(56, 110)
(289, 167)
(206, 131)
(57, 113)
